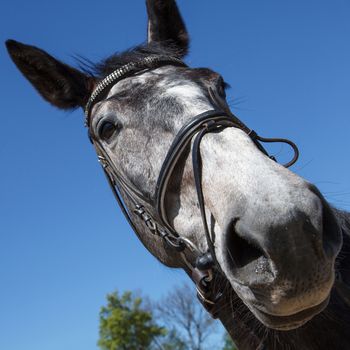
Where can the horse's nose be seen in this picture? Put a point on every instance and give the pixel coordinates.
(270, 248)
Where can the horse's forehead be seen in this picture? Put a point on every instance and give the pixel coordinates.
(169, 80)
(170, 87)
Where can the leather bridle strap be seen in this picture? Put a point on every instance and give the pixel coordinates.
(119, 185)
(177, 148)
(210, 126)
(204, 263)
(207, 122)
(210, 121)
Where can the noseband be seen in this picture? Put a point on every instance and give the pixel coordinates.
(201, 265)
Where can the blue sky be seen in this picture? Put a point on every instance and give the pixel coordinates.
(63, 243)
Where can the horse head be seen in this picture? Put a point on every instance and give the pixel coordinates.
(216, 204)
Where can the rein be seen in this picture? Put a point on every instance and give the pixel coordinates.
(202, 266)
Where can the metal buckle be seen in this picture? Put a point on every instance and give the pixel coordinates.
(103, 161)
(175, 242)
(141, 212)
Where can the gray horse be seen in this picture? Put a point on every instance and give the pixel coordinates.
(268, 254)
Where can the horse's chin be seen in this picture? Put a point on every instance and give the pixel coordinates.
(288, 322)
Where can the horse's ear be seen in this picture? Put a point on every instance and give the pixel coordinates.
(58, 83)
(165, 25)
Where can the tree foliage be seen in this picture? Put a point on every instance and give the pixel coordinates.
(126, 325)
(178, 322)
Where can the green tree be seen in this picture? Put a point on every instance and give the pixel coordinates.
(228, 343)
(126, 325)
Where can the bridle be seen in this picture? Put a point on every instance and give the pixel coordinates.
(202, 266)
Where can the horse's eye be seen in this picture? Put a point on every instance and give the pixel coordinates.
(107, 130)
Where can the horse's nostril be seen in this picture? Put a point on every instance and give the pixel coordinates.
(241, 251)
